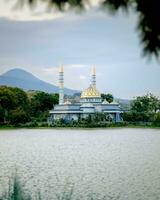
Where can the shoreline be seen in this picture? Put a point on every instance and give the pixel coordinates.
(80, 128)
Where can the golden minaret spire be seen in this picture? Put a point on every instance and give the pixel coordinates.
(61, 68)
(94, 70)
(93, 81)
(61, 85)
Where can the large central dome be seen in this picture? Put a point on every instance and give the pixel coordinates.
(91, 92)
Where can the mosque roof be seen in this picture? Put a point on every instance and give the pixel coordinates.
(105, 102)
(87, 105)
(67, 102)
(91, 92)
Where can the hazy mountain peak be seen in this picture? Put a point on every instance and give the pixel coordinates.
(20, 78)
(19, 73)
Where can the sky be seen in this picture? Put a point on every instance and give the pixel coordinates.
(39, 41)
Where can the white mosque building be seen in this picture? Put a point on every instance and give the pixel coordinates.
(89, 104)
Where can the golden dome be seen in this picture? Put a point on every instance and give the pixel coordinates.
(91, 92)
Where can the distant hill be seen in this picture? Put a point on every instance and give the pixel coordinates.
(27, 81)
(125, 103)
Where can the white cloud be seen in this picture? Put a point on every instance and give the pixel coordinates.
(82, 77)
(50, 70)
(10, 10)
(76, 66)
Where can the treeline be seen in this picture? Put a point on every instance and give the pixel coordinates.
(31, 109)
(19, 107)
(144, 109)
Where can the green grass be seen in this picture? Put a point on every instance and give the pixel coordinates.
(76, 125)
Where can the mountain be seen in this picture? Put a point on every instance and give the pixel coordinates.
(124, 103)
(27, 81)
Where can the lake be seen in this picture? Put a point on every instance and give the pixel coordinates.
(121, 164)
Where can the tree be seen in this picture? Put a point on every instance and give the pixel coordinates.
(16, 107)
(146, 10)
(44, 101)
(18, 116)
(2, 114)
(99, 117)
(108, 97)
(154, 103)
(41, 103)
(157, 118)
(143, 108)
(10, 99)
(7, 100)
(21, 98)
(147, 103)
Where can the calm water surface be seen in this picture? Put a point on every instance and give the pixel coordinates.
(121, 164)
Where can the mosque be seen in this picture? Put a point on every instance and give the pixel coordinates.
(89, 104)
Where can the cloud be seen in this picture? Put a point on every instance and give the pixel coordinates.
(76, 66)
(82, 77)
(10, 10)
(79, 41)
(13, 10)
(50, 70)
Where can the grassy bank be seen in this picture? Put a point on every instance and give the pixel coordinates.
(77, 125)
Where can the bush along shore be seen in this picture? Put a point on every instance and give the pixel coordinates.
(82, 125)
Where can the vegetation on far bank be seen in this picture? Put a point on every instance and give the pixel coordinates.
(31, 109)
(80, 126)
(20, 107)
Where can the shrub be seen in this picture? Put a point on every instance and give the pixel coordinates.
(157, 119)
(18, 116)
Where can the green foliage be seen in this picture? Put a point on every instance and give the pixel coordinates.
(17, 108)
(99, 117)
(12, 97)
(41, 103)
(143, 109)
(20, 97)
(157, 118)
(13, 100)
(2, 113)
(7, 98)
(18, 116)
(147, 103)
(108, 97)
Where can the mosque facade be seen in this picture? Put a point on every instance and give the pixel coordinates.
(89, 104)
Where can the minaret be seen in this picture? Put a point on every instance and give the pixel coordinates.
(61, 86)
(93, 80)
